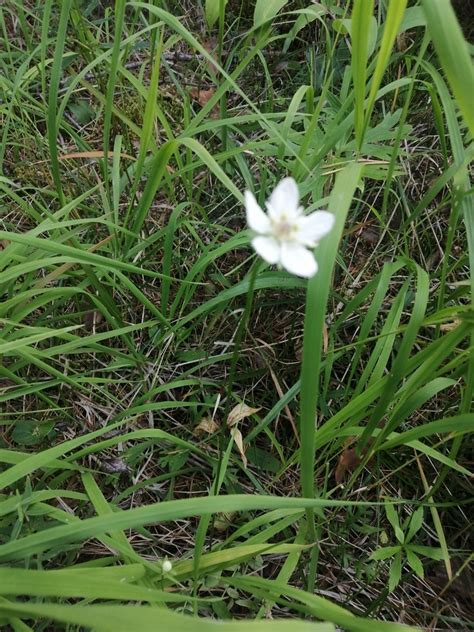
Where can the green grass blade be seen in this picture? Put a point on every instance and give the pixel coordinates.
(361, 17)
(395, 12)
(317, 296)
(125, 618)
(53, 97)
(110, 94)
(157, 512)
(453, 54)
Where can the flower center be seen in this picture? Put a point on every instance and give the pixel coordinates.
(283, 229)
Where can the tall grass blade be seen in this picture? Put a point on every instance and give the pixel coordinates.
(453, 54)
(361, 17)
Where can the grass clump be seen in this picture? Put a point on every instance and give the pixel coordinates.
(191, 436)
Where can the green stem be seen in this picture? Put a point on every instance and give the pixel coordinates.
(311, 364)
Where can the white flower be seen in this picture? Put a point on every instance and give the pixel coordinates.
(284, 233)
(166, 566)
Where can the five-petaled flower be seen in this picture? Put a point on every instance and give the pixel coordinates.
(285, 234)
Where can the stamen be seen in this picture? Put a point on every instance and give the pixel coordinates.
(283, 229)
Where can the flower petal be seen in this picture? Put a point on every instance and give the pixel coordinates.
(314, 227)
(298, 260)
(268, 248)
(256, 218)
(284, 200)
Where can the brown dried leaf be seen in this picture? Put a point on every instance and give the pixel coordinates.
(402, 42)
(202, 96)
(211, 47)
(450, 326)
(348, 461)
(206, 426)
(223, 520)
(239, 442)
(240, 412)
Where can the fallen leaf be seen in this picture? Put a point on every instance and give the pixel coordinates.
(223, 520)
(348, 461)
(450, 326)
(203, 96)
(403, 42)
(206, 426)
(240, 412)
(211, 47)
(115, 466)
(239, 442)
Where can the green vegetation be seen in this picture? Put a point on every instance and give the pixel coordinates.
(190, 437)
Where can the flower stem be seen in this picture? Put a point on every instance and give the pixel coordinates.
(312, 343)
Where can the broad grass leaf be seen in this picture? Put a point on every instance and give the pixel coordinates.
(413, 17)
(314, 605)
(433, 552)
(415, 563)
(29, 432)
(344, 26)
(266, 10)
(395, 572)
(416, 523)
(394, 521)
(305, 17)
(110, 618)
(453, 53)
(212, 11)
(396, 9)
(384, 553)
